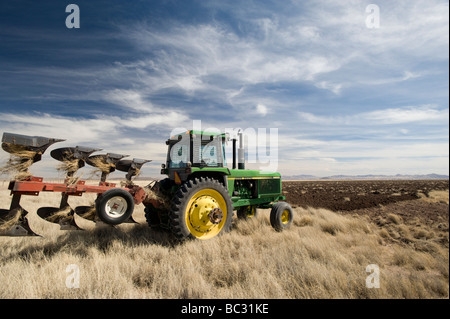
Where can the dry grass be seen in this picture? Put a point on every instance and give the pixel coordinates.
(424, 232)
(89, 213)
(62, 215)
(436, 196)
(19, 161)
(69, 168)
(13, 218)
(323, 255)
(101, 166)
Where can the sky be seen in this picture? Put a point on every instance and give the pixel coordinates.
(350, 90)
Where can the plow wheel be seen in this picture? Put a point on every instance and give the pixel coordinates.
(114, 206)
(15, 223)
(201, 209)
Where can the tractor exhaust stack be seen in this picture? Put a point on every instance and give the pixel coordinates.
(234, 153)
(241, 151)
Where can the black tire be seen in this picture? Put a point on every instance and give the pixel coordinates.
(247, 212)
(281, 216)
(114, 206)
(151, 216)
(189, 217)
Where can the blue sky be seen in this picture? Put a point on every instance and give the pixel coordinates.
(346, 99)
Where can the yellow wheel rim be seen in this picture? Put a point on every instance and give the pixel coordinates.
(198, 210)
(251, 210)
(285, 216)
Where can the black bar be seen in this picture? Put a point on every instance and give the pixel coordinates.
(234, 153)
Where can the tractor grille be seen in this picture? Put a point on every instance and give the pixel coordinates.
(269, 187)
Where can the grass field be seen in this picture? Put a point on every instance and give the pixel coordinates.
(323, 255)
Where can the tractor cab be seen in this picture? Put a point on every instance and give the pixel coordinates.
(194, 151)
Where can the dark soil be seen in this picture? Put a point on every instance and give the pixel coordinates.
(425, 213)
(353, 195)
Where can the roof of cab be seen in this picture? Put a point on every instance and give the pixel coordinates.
(196, 132)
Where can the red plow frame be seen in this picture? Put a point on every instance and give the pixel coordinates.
(34, 185)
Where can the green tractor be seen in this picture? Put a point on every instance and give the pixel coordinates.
(198, 197)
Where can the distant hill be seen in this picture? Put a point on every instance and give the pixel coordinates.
(363, 177)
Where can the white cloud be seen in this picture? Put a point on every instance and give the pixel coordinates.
(73, 129)
(410, 75)
(364, 166)
(262, 109)
(304, 48)
(170, 118)
(333, 87)
(406, 115)
(128, 99)
(311, 33)
(375, 149)
(383, 156)
(194, 52)
(409, 114)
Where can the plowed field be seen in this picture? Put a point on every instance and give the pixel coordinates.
(406, 210)
(354, 195)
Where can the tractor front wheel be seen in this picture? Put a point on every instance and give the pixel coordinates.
(201, 209)
(281, 216)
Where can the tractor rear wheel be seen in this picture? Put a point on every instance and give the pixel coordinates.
(114, 206)
(281, 216)
(201, 209)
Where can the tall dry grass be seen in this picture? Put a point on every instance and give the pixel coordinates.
(436, 196)
(323, 255)
(19, 161)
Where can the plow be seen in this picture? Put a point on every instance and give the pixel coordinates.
(197, 199)
(27, 150)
